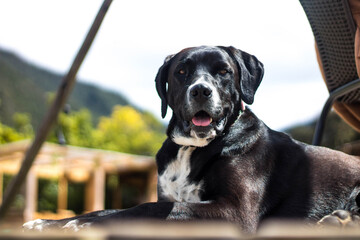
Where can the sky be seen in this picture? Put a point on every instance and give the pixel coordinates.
(137, 35)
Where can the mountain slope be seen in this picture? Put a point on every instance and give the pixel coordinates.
(24, 88)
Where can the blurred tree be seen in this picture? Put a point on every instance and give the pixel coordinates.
(8, 134)
(153, 122)
(77, 128)
(128, 130)
(22, 124)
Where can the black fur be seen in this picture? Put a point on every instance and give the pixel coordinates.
(249, 173)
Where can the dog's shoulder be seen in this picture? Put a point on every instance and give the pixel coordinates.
(249, 136)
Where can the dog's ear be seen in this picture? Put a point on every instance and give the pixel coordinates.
(251, 72)
(161, 84)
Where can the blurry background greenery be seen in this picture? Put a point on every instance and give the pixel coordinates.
(125, 130)
(94, 117)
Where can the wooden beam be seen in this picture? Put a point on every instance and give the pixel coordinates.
(89, 193)
(31, 196)
(62, 193)
(95, 191)
(151, 189)
(50, 118)
(99, 189)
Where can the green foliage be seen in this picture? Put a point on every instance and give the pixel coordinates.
(22, 130)
(128, 130)
(47, 195)
(76, 197)
(8, 134)
(77, 128)
(22, 124)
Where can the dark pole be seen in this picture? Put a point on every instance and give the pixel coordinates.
(51, 116)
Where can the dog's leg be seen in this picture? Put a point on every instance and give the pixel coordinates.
(160, 210)
(183, 211)
(179, 211)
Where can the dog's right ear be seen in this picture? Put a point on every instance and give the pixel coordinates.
(161, 84)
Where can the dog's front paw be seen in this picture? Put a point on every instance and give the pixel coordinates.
(76, 225)
(40, 225)
(340, 218)
(36, 225)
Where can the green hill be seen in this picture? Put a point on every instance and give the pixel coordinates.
(24, 88)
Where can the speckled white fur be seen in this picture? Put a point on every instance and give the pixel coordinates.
(174, 183)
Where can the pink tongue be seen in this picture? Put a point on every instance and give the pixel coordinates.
(201, 121)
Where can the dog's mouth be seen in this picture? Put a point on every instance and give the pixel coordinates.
(203, 122)
(202, 119)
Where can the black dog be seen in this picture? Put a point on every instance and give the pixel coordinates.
(221, 162)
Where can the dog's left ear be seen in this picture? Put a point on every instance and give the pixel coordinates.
(251, 72)
(161, 84)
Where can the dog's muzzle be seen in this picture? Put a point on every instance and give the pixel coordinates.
(205, 112)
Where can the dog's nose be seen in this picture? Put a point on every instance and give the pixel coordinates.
(200, 92)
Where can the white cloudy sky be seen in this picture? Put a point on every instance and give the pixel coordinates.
(137, 35)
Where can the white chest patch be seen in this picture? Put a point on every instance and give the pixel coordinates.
(174, 183)
(179, 138)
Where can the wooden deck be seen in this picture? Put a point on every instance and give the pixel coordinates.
(189, 230)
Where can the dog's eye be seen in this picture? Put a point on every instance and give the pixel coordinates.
(181, 72)
(223, 71)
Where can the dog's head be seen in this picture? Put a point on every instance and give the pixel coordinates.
(205, 87)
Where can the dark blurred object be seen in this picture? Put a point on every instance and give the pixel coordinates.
(59, 131)
(334, 30)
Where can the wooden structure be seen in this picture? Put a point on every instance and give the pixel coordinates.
(74, 164)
